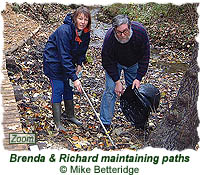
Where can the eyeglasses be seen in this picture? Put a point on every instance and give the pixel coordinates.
(125, 32)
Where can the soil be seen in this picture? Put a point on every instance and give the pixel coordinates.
(17, 28)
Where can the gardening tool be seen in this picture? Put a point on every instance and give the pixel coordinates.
(98, 118)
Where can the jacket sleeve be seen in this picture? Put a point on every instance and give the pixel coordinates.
(108, 61)
(144, 61)
(64, 48)
(82, 57)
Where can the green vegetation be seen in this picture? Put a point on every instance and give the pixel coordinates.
(168, 25)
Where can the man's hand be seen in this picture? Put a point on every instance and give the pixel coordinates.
(77, 84)
(118, 88)
(136, 83)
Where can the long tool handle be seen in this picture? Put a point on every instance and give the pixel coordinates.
(98, 118)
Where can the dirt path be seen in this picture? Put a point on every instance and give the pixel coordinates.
(15, 35)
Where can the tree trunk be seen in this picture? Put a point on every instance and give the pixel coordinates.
(178, 129)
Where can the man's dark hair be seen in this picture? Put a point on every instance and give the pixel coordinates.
(119, 20)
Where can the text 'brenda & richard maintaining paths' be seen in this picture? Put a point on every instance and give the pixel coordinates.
(100, 158)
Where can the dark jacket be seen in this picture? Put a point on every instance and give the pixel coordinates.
(136, 50)
(63, 51)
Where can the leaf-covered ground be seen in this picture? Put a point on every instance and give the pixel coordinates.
(33, 91)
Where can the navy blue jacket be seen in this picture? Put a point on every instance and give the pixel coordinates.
(136, 50)
(63, 51)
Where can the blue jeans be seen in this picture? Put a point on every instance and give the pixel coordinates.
(61, 90)
(109, 95)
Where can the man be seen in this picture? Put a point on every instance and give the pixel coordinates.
(126, 47)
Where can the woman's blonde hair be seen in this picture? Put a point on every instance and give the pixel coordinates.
(86, 12)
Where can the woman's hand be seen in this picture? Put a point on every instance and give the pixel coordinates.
(78, 69)
(77, 84)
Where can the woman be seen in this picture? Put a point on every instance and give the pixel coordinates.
(63, 57)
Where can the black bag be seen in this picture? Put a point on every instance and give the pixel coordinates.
(152, 94)
(136, 104)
